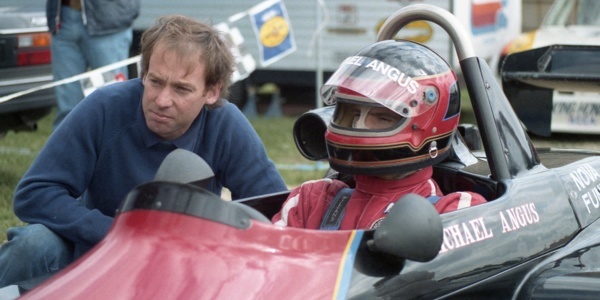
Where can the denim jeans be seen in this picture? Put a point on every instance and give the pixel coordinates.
(32, 252)
(74, 51)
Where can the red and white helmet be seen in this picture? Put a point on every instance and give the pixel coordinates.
(405, 79)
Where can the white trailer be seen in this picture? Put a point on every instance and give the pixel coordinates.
(328, 31)
(347, 26)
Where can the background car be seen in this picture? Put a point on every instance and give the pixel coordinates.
(567, 22)
(24, 64)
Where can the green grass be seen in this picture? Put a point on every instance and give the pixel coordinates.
(18, 150)
(276, 134)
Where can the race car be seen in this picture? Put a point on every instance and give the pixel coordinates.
(572, 109)
(536, 237)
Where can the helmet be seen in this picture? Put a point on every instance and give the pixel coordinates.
(397, 105)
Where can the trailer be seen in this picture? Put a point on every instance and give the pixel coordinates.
(328, 31)
(325, 32)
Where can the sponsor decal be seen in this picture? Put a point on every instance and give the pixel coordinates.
(386, 70)
(477, 230)
(586, 187)
(576, 113)
(273, 30)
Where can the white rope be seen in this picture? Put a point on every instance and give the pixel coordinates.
(119, 64)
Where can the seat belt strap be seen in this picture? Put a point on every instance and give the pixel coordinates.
(335, 212)
(433, 199)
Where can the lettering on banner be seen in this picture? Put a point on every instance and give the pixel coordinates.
(578, 113)
(476, 230)
(587, 181)
(583, 109)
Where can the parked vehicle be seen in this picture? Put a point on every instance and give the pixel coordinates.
(536, 238)
(572, 109)
(24, 63)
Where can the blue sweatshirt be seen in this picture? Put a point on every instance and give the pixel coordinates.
(103, 149)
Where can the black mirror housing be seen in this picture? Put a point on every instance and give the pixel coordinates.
(412, 230)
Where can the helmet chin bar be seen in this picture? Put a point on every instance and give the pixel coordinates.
(387, 161)
(373, 170)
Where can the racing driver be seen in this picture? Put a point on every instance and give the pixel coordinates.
(397, 106)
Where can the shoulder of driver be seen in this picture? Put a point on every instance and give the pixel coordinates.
(458, 200)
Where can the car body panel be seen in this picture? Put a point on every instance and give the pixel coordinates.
(571, 273)
(24, 65)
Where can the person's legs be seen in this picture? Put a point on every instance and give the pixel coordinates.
(67, 60)
(31, 252)
(108, 49)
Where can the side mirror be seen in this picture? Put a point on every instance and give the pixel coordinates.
(412, 230)
(184, 166)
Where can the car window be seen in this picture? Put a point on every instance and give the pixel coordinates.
(569, 12)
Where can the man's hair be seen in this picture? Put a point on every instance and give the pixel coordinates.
(186, 36)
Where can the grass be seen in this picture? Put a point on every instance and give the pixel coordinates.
(18, 150)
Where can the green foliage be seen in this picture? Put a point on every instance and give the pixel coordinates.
(276, 134)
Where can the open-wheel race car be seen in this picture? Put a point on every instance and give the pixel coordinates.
(536, 237)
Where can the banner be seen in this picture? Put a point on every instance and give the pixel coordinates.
(244, 62)
(273, 31)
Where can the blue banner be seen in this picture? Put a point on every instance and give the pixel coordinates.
(273, 31)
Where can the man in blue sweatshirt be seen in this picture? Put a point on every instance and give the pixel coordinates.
(116, 139)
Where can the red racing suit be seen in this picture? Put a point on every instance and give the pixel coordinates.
(371, 200)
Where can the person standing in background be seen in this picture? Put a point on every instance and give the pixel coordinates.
(87, 34)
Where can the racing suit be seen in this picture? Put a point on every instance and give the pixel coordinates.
(370, 202)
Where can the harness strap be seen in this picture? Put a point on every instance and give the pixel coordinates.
(335, 212)
(433, 199)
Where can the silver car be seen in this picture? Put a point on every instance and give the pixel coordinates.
(24, 64)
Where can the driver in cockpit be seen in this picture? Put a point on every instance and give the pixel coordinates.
(397, 106)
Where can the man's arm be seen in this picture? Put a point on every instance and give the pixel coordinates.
(240, 157)
(48, 192)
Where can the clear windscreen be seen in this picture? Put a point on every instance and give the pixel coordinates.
(400, 91)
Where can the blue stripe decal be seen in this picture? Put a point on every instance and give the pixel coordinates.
(349, 258)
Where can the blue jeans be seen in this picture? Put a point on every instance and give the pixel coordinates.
(74, 51)
(32, 252)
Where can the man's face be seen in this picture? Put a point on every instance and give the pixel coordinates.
(174, 92)
(369, 117)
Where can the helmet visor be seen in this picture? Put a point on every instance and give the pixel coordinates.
(401, 91)
(363, 117)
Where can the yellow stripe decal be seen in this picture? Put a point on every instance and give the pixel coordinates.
(342, 282)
